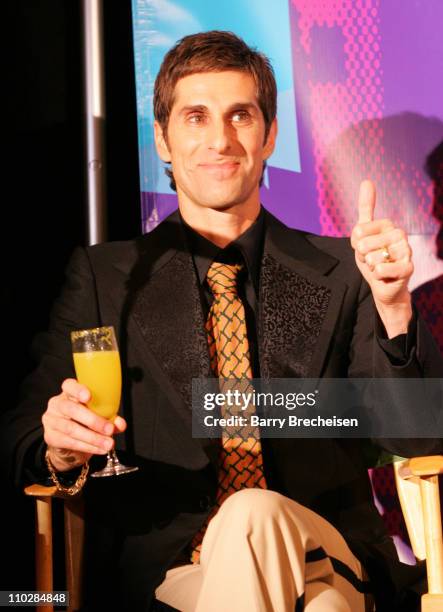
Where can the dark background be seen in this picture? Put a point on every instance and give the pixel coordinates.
(44, 195)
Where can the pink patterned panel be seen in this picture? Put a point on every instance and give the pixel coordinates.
(352, 139)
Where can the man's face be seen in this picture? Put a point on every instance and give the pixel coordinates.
(216, 139)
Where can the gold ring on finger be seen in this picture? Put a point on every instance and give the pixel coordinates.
(386, 255)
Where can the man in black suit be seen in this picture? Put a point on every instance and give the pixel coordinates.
(313, 306)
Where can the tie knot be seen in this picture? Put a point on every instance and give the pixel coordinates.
(222, 278)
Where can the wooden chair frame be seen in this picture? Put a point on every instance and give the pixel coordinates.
(418, 491)
(73, 509)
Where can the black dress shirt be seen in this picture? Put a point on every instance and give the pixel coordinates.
(247, 250)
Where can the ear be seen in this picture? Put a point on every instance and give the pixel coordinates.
(269, 145)
(160, 143)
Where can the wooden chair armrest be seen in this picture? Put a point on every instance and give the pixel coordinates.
(37, 490)
(43, 491)
(422, 466)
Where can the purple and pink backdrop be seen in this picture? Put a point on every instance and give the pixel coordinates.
(365, 100)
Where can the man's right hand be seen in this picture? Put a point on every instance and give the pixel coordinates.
(73, 432)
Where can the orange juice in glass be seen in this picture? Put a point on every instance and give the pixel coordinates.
(100, 371)
(97, 366)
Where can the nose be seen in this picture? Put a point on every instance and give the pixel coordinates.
(219, 136)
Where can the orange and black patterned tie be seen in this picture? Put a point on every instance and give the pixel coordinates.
(240, 459)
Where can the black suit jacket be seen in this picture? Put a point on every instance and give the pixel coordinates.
(316, 318)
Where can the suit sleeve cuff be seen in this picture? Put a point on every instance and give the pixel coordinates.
(400, 348)
(36, 470)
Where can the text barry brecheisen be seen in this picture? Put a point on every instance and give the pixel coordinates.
(291, 421)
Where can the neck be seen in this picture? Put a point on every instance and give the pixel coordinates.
(220, 226)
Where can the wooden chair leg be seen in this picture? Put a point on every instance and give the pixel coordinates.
(74, 543)
(43, 547)
(433, 600)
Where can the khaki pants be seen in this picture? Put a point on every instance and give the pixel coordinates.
(263, 552)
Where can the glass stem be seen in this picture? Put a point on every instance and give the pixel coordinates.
(112, 455)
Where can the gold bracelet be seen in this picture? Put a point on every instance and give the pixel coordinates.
(78, 484)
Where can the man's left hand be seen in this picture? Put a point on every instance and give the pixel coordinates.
(384, 257)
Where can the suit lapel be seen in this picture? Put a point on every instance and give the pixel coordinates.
(169, 314)
(165, 311)
(299, 304)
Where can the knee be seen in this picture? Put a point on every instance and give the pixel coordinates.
(258, 504)
(321, 596)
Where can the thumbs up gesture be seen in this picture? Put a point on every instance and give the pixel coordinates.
(383, 256)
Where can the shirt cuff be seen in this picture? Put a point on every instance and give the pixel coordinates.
(400, 348)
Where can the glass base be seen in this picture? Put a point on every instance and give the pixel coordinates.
(113, 467)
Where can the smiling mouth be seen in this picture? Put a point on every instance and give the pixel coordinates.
(220, 170)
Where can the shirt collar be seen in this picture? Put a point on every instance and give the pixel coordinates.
(249, 245)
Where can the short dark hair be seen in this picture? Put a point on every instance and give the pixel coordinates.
(213, 51)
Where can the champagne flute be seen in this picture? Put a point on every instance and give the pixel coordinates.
(97, 365)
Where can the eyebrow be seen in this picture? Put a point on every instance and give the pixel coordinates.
(232, 107)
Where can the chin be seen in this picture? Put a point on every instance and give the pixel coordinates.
(221, 204)
(224, 200)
